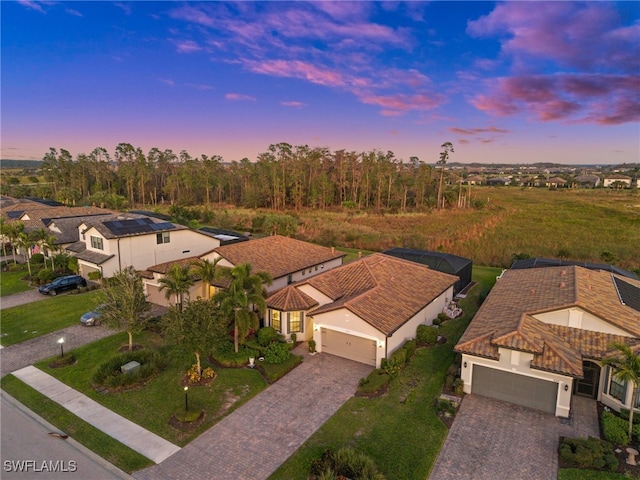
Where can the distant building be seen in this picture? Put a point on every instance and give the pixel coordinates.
(616, 179)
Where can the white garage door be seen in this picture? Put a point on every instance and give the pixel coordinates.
(514, 388)
(348, 346)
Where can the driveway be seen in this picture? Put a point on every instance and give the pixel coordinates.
(253, 441)
(494, 440)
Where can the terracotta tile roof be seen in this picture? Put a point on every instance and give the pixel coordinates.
(384, 291)
(290, 299)
(277, 255)
(507, 317)
(163, 268)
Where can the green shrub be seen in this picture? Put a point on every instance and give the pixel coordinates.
(588, 453)
(294, 338)
(267, 335)
(312, 346)
(614, 428)
(444, 405)
(400, 357)
(437, 322)
(390, 367)
(109, 374)
(624, 414)
(442, 317)
(345, 463)
(410, 347)
(458, 386)
(46, 275)
(37, 258)
(225, 355)
(374, 382)
(277, 352)
(427, 334)
(275, 371)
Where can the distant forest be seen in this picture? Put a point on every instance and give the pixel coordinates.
(283, 177)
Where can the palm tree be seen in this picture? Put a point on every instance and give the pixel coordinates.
(626, 365)
(207, 272)
(23, 242)
(177, 281)
(13, 231)
(243, 300)
(44, 240)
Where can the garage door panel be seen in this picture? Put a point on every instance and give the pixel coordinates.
(511, 387)
(349, 346)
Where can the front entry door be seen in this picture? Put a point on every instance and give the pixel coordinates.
(588, 386)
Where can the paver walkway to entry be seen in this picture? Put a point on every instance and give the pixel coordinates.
(125, 431)
(253, 441)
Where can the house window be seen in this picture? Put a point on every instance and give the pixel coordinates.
(96, 242)
(162, 238)
(295, 322)
(289, 279)
(275, 319)
(617, 388)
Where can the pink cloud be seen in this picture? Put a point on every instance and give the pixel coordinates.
(293, 104)
(187, 46)
(397, 103)
(239, 97)
(602, 99)
(579, 35)
(297, 69)
(168, 81)
(475, 131)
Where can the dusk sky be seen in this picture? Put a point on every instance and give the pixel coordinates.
(514, 82)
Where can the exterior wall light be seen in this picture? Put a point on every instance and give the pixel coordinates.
(566, 387)
(465, 364)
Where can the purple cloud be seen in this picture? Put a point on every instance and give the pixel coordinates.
(576, 35)
(297, 69)
(187, 46)
(293, 104)
(598, 98)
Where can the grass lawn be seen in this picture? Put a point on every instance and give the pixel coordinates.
(399, 430)
(10, 283)
(102, 444)
(28, 321)
(580, 474)
(152, 405)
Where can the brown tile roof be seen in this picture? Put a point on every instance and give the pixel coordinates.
(290, 299)
(163, 268)
(277, 255)
(384, 291)
(507, 317)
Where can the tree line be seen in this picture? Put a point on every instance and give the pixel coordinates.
(284, 177)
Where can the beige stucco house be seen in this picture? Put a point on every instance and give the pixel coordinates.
(286, 259)
(540, 335)
(364, 310)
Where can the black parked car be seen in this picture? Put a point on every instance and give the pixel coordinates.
(61, 284)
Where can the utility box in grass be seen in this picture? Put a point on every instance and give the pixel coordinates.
(130, 367)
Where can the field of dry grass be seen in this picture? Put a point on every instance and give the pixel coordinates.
(574, 224)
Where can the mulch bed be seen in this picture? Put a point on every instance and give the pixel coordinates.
(134, 347)
(185, 382)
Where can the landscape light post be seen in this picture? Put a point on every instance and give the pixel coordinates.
(186, 399)
(61, 342)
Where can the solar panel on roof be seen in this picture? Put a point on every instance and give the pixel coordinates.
(136, 225)
(14, 214)
(629, 294)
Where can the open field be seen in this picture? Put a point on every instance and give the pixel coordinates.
(573, 224)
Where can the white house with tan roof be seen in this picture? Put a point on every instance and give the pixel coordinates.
(286, 259)
(364, 310)
(540, 335)
(109, 244)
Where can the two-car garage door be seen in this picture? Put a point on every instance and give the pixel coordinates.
(514, 388)
(349, 346)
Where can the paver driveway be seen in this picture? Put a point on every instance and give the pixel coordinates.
(494, 440)
(254, 440)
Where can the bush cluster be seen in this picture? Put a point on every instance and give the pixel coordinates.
(109, 375)
(427, 334)
(345, 463)
(225, 355)
(267, 335)
(588, 453)
(277, 352)
(446, 406)
(374, 382)
(614, 428)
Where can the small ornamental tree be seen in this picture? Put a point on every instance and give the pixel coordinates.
(197, 328)
(125, 303)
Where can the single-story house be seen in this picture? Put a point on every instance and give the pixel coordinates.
(287, 260)
(587, 180)
(498, 181)
(539, 262)
(440, 261)
(540, 336)
(555, 182)
(616, 179)
(364, 310)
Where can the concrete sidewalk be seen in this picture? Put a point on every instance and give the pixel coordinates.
(125, 431)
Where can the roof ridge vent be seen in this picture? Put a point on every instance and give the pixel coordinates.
(563, 273)
(533, 291)
(563, 284)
